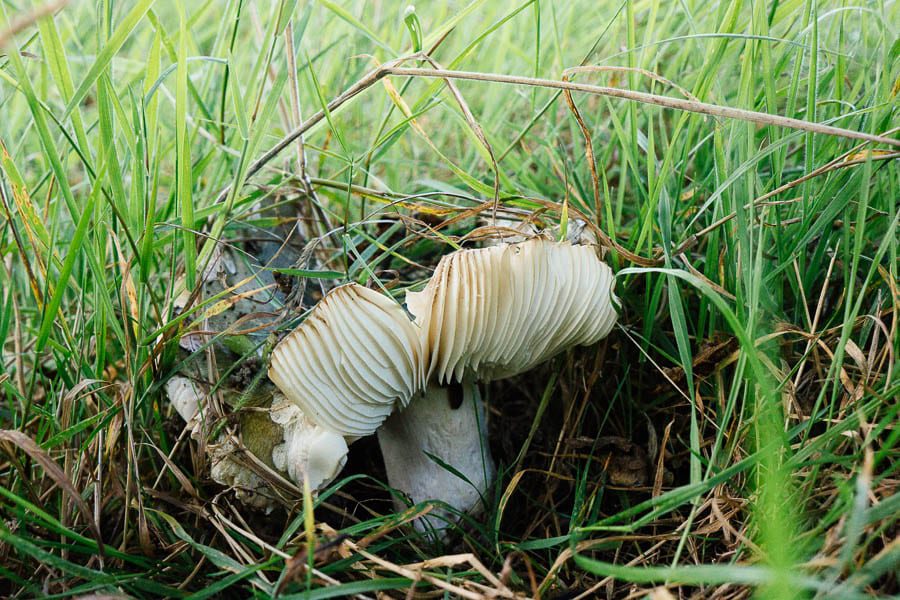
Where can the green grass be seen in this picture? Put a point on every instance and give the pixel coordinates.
(736, 435)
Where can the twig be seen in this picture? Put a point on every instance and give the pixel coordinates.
(392, 68)
(606, 240)
(838, 163)
(24, 21)
(615, 69)
(363, 84)
(479, 133)
(646, 98)
(389, 68)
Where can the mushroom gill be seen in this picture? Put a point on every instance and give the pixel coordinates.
(358, 361)
(355, 358)
(494, 312)
(487, 314)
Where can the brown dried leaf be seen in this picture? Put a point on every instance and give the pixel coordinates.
(55, 472)
(179, 474)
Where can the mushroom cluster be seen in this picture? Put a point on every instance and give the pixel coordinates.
(358, 364)
(254, 440)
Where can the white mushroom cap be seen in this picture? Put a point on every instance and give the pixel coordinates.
(355, 358)
(491, 313)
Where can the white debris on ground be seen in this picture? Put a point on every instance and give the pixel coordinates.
(187, 397)
(248, 487)
(307, 450)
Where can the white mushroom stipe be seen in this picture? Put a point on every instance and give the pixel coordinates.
(354, 360)
(454, 434)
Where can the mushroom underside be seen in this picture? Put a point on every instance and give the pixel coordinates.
(269, 446)
(358, 364)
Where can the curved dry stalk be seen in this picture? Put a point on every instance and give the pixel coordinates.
(26, 20)
(391, 68)
(704, 108)
(360, 86)
(476, 129)
(606, 240)
(840, 162)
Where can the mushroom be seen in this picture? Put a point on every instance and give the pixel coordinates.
(356, 359)
(185, 396)
(359, 361)
(494, 312)
(447, 425)
(309, 452)
(488, 314)
(269, 443)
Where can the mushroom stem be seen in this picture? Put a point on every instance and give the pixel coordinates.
(447, 423)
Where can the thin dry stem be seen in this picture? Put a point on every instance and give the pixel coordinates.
(714, 110)
(25, 21)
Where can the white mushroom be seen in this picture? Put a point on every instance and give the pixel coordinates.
(308, 451)
(487, 314)
(185, 396)
(280, 436)
(238, 292)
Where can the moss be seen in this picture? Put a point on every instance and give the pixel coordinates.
(260, 435)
